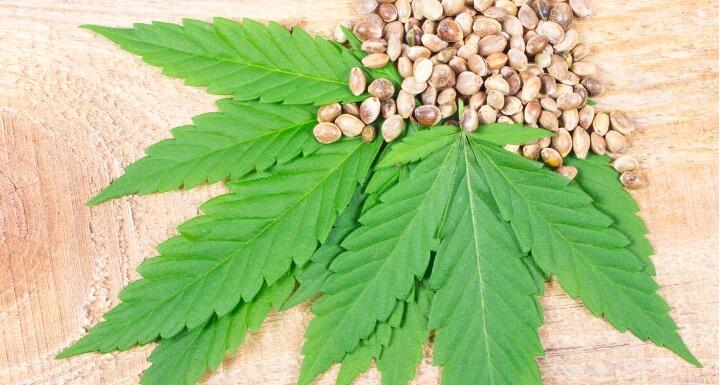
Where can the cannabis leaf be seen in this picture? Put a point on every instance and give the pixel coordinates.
(393, 340)
(314, 275)
(184, 359)
(485, 309)
(245, 238)
(420, 145)
(573, 240)
(247, 60)
(603, 185)
(384, 257)
(442, 232)
(204, 347)
(242, 137)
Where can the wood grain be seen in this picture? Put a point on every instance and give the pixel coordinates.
(74, 110)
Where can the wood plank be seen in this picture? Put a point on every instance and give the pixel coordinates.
(74, 110)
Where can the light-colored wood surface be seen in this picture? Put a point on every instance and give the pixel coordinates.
(74, 110)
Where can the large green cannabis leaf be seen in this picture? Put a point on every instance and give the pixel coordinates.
(447, 233)
(247, 60)
(378, 252)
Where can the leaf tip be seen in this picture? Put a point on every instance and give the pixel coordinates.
(73, 350)
(686, 355)
(695, 362)
(65, 354)
(99, 29)
(97, 199)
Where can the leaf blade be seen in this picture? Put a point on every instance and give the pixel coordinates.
(313, 276)
(485, 310)
(256, 232)
(241, 137)
(602, 183)
(399, 359)
(606, 277)
(226, 57)
(186, 357)
(375, 273)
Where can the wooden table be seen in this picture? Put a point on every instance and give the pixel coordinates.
(74, 110)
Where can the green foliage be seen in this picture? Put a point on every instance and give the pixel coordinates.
(602, 183)
(314, 275)
(486, 309)
(247, 60)
(384, 257)
(403, 352)
(447, 233)
(241, 137)
(572, 239)
(245, 238)
(184, 359)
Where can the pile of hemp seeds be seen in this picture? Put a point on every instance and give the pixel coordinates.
(506, 61)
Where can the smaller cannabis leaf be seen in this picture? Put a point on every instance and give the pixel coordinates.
(370, 348)
(242, 137)
(396, 344)
(399, 360)
(247, 60)
(383, 258)
(315, 273)
(185, 358)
